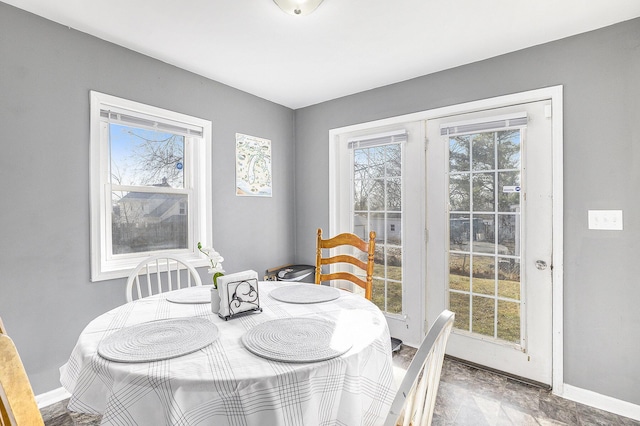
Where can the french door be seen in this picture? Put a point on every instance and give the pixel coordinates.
(377, 184)
(489, 215)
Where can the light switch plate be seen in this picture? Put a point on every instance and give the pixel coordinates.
(605, 220)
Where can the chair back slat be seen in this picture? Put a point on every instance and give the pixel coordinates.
(162, 273)
(366, 248)
(178, 275)
(158, 276)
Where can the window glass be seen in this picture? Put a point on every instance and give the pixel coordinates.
(146, 157)
(147, 221)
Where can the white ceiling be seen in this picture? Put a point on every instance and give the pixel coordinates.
(344, 47)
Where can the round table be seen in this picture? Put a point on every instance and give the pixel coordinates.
(226, 384)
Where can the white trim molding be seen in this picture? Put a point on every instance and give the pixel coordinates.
(601, 402)
(52, 397)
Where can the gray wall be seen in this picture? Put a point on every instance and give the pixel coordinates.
(600, 72)
(46, 73)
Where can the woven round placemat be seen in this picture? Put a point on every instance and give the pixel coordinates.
(297, 339)
(305, 293)
(193, 295)
(158, 340)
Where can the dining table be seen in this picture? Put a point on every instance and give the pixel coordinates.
(299, 361)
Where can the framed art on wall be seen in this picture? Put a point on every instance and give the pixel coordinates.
(253, 166)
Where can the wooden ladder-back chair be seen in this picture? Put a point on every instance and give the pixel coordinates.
(18, 405)
(347, 239)
(159, 273)
(416, 397)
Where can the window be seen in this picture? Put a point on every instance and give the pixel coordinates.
(150, 185)
(377, 206)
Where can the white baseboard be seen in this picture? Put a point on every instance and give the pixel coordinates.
(602, 402)
(51, 397)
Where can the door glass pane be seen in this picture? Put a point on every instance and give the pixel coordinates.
(483, 277)
(509, 191)
(394, 160)
(378, 292)
(459, 276)
(394, 297)
(143, 157)
(143, 221)
(394, 194)
(459, 232)
(459, 190)
(459, 303)
(377, 205)
(484, 233)
(483, 192)
(509, 234)
(379, 225)
(376, 194)
(483, 151)
(361, 225)
(459, 158)
(360, 191)
(483, 315)
(509, 321)
(394, 228)
(509, 149)
(394, 262)
(509, 278)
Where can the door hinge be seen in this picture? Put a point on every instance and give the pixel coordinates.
(426, 235)
(426, 143)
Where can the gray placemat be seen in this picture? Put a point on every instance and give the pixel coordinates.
(305, 293)
(297, 339)
(158, 340)
(194, 295)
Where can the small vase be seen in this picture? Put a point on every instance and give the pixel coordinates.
(215, 295)
(215, 278)
(215, 300)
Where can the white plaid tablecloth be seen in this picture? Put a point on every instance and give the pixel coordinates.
(225, 384)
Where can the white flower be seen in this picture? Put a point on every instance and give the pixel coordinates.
(216, 270)
(214, 258)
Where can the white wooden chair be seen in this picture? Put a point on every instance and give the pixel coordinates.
(416, 397)
(160, 273)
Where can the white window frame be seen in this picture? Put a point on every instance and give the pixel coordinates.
(104, 265)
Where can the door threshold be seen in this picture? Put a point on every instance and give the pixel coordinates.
(500, 373)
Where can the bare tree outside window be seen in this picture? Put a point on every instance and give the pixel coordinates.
(147, 220)
(377, 205)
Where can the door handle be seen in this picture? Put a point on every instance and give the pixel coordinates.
(541, 264)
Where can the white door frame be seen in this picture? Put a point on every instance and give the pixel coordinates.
(555, 94)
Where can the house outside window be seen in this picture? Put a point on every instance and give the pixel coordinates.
(150, 185)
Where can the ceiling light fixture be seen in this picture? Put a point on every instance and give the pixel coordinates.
(298, 7)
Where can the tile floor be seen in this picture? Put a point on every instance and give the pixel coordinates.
(466, 396)
(474, 397)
